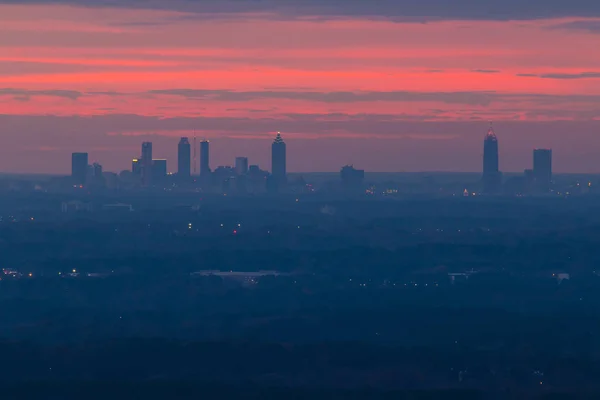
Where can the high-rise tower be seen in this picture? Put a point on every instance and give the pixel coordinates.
(278, 159)
(146, 163)
(492, 178)
(542, 169)
(204, 158)
(79, 167)
(184, 153)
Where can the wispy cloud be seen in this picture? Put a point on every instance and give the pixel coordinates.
(216, 96)
(486, 71)
(67, 94)
(402, 10)
(557, 75)
(582, 25)
(473, 98)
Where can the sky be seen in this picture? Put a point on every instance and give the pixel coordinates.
(385, 85)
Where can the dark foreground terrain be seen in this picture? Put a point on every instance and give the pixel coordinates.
(469, 298)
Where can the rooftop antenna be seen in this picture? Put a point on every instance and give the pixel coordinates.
(490, 132)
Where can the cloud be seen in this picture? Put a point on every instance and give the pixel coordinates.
(401, 10)
(110, 94)
(252, 110)
(22, 93)
(583, 25)
(579, 115)
(472, 98)
(581, 75)
(363, 117)
(467, 98)
(485, 71)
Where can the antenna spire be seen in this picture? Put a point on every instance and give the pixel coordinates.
(490, 133)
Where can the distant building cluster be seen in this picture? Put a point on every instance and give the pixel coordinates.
(84, 174)
(147, 171)
(243, 177)
(537, 180)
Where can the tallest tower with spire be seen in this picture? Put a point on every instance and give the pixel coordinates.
(491, 173)
(278, 159)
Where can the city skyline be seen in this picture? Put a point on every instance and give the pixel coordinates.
(343, 83)
(175, 166)
(537, 179)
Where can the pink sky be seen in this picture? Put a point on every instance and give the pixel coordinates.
(384, 95)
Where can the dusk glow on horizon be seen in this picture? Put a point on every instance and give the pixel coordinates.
(389, 87)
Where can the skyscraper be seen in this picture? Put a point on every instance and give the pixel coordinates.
(79, 167)
(204, 158)
(184, 163)
(278, 159)
(491, 174)
(241, 165)
(542, 168)
(146, 163)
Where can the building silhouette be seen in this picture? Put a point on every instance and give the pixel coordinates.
(95, 175)
(278, 160)
(79, 168)
(205, 158)
(146, 163)
(97, 170)
(159, 170)
(241, 165)
(184, 158)
(352, 178)
(492, 179)
(542, 169)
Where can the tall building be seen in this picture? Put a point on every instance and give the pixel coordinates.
(204, 158)
(492, 178)
(241, 165)
(79, 167)
(278, 159)
(542, 168)
(146, 163)
(184, 160)
(159, 170)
